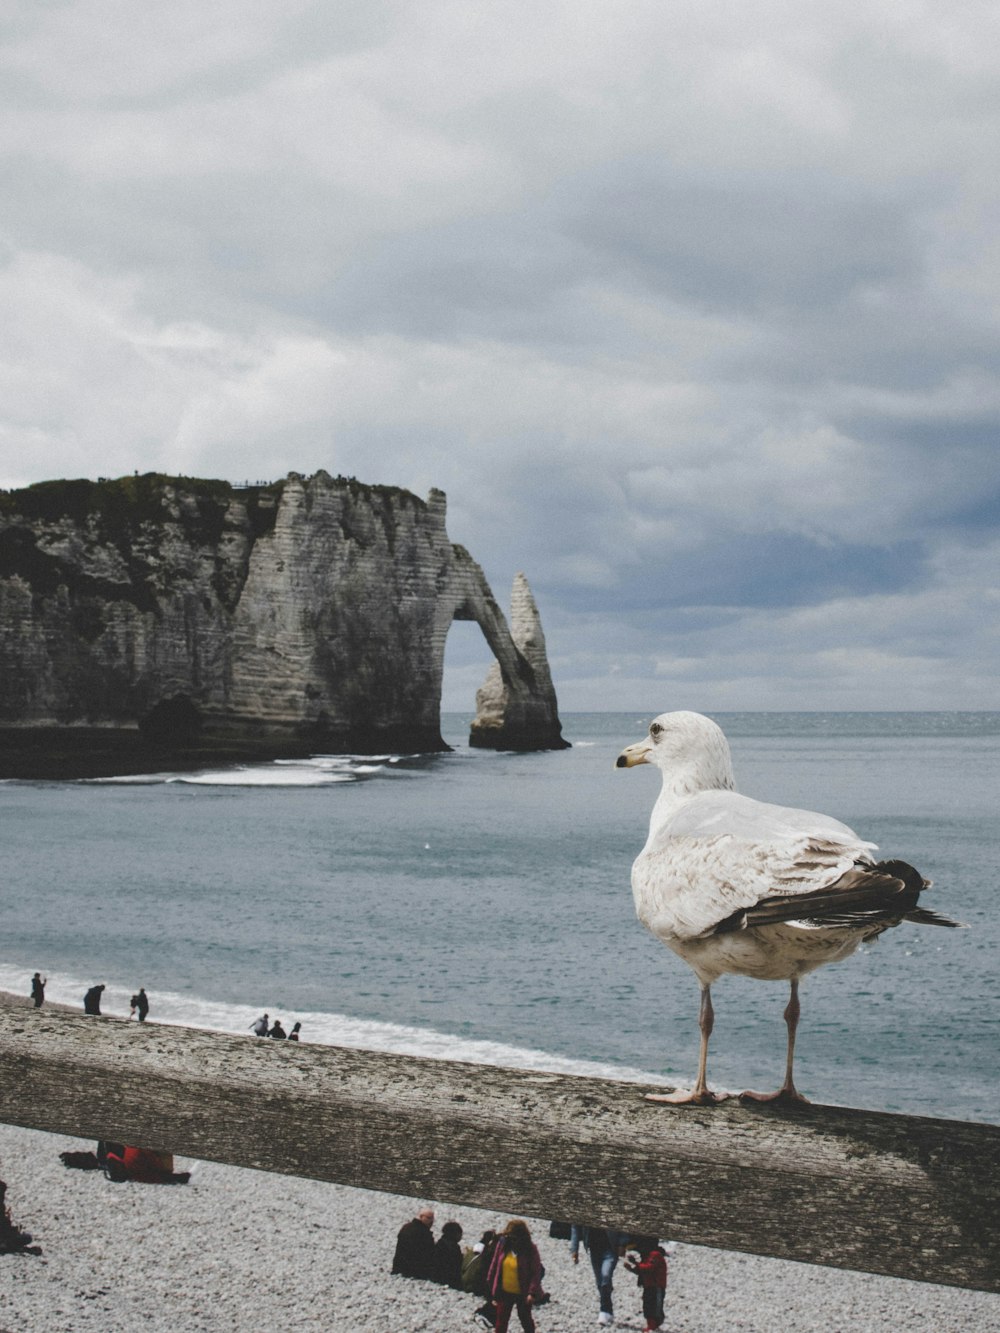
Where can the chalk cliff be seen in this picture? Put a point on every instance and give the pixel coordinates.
(316, 608)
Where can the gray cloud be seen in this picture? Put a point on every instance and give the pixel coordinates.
(693, 314)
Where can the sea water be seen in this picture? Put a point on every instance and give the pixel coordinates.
(476, 906)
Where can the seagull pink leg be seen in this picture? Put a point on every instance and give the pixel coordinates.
(787, 1092)
(700, 1093)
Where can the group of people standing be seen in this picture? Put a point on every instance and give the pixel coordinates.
(139, 1002)
(139, 1008)
(263, 1027)
(507, 1271)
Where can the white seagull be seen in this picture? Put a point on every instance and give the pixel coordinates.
(735, 885)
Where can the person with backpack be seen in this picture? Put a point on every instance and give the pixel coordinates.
(515, 1276)
(475, 1268)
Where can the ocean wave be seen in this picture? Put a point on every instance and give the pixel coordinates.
(262, 777)
(317, 771)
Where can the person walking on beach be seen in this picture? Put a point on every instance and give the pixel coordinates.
(261, 1026)
(604, 1247)
(414, 1255)
(515, 1276)
(140, 1004)
(651, 1270)
(92, 1000)
(38, 984)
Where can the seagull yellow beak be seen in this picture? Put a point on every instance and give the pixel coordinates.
(633, 754)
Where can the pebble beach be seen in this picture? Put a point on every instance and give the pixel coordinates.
(241, 1251)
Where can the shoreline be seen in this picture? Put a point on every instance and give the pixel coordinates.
(243, 1251)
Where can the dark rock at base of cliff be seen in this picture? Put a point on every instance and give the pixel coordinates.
(173, 721)
(55, 754)
(511, 738)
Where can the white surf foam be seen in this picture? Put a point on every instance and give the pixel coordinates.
(262, 777)
(317, 771)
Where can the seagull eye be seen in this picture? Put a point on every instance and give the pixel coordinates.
(655, 729)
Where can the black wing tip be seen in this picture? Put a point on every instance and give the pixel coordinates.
(925, 917)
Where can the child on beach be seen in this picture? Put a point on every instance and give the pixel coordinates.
(651, 1269)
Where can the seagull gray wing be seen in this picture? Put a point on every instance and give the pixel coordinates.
(722, 854)
(712, 813)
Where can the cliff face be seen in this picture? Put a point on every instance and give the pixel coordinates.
(317, 608)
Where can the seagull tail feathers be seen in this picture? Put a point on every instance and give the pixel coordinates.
(869, 898)
(915, 881)
(925, 917)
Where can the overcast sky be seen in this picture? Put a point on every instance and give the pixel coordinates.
(690, 307)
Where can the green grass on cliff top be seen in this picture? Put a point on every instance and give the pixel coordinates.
(133, 498)
(139, 498)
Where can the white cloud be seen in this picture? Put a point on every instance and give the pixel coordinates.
(691, 311)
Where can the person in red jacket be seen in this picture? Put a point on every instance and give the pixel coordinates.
(652, 1272)
(515, 1276)
(143, 1164)
(152, 1168)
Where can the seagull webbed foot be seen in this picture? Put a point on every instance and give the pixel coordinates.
(783, 1097)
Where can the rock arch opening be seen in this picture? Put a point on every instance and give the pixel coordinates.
(467, 659)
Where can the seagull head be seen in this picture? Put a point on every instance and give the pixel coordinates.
(688, 748)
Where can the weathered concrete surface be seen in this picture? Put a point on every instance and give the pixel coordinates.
(899, 1195)
(314, 609)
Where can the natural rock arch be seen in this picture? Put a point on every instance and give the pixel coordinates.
(516, 705)
(316, 608)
